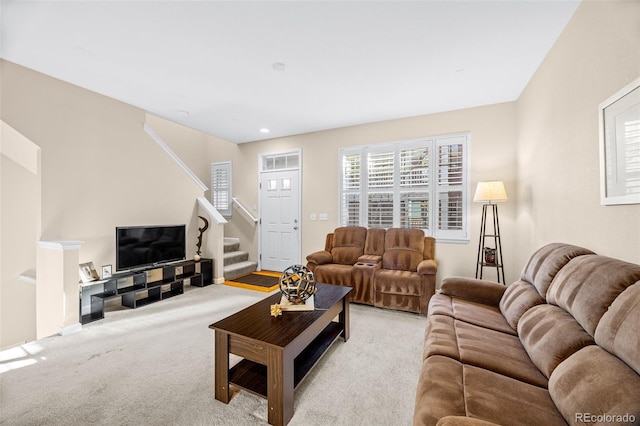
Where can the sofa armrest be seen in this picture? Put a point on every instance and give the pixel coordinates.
(428, 267)
(483, 291)
(370, 258)
(320, 257)
(463, 421)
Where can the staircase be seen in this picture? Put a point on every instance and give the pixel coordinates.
(236, 262)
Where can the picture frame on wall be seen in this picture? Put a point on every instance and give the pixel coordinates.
(619, 134)
(88, 272)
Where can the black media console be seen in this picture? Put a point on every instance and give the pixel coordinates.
(141, 287)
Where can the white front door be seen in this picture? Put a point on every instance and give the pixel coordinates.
(280, 219)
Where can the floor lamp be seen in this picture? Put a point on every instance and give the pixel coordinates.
(490, 193)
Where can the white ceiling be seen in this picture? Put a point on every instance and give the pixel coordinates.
(209, 65)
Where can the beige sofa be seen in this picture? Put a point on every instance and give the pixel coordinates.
(559, 346)
(393, 268)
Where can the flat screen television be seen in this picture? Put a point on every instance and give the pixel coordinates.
(142, 246)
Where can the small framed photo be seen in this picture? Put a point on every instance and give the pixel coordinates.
(106, 271)
(88, 272)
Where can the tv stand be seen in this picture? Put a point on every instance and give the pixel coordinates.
(141, 287)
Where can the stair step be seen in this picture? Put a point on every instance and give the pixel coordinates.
(239, 269)
(235, 257)
(231, 245)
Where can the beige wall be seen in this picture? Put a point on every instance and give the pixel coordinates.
(493, 134)
(19, 191)
(99, 169)
(558, 164)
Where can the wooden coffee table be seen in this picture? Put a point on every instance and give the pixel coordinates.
(278, 351)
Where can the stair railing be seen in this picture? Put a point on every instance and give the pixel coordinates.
(245, 212)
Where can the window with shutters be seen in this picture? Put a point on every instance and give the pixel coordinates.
(410, 184)
(221, 187)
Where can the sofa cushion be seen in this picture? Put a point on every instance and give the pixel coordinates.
(486, 316)
(506, 401)
(403, 249)
(439, 338)
(348, 244)
(594, 382)
(617, 331)
(401, 290)
(398, 282)
(587, 285)
(481, 347)
(517, 299)
(440, 391)
(545, 263)
(374, 244)
(447, 387)
(550, 335)
(334, 274)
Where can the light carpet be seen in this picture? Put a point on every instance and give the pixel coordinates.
(154, 366)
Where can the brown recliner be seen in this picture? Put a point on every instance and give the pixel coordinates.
(343, 248)
(407, 277)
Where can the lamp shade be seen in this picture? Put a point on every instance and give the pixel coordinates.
(492, 191)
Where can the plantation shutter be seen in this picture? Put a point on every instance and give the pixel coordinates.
(351, 188)
(450, 188)
(414, 186)
(221, 187)
(421, 184)
(380, 183)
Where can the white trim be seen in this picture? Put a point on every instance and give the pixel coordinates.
(60, 245)
(211, 211)
(243, 210)
(28, 277)
(70, 329)
(261, 170)
(605, 199)
(174, 157)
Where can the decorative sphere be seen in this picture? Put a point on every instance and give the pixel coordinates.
(196, 258)
(297, 283)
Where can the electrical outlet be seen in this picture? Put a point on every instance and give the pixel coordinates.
(314, 216)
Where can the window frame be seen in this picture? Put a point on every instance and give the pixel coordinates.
(431, 190)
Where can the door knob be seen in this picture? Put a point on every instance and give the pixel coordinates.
(295, 228)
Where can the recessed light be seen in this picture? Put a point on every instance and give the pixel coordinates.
(264, 130)
(279, 66)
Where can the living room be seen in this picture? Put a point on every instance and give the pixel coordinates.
(96, 168)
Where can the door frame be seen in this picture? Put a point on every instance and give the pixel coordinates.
(261, 170)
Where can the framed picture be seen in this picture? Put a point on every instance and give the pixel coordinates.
(88, 272)
(619, 127)
(106, 271)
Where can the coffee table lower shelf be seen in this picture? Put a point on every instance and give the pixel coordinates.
(252, 376)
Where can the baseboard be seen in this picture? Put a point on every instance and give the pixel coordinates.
(219, 280)
(70, 329)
